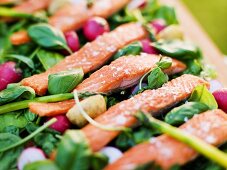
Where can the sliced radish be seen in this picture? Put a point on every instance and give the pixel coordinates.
(72, 40)
(95, 27)
(30, 155)
(112, 153)
(158, 25)
(137, 4)
(221, 98)
(62, 123)
(9, 74)
(147, 48)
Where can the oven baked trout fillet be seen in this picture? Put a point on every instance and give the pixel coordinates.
(91, 56)
(120, 74)
(152, 101)
(73, 16)
(210, 126)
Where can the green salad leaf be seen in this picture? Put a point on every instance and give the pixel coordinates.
(181, 50)
(167, 13)
(48, 58)
(16, 92)
(164, 63)
(41, 165)
(12, 118)
(181, 114)
(73, 151)
(132, 49)
(201, 94)
(8, 159)
(157, 78)
(65, 81)
(193, 67)
(98, 161)
(23, 59)
(48, 37)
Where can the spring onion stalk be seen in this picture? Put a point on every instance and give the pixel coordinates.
(29, 137)
(141, 80)
(6, 12)
(24, 104)
(93, 122)
(197, 144)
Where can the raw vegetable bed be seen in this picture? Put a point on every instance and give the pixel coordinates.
(91, 113)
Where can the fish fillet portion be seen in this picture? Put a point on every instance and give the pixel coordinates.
(91, 56)
(73, 16)
(121, 73)
(210, 126)
(153, 101)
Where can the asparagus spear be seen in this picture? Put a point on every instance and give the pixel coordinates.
(24, 104)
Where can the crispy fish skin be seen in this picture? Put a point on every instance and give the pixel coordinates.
(91, 56)
(151, 101)
(73, 16)
(121, 73)
(210, 126)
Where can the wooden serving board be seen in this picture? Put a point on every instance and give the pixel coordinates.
(195, 33)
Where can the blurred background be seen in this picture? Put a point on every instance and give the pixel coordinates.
(212, 15)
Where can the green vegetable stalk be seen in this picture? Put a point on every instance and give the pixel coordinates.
(24, 104)
(197, 144)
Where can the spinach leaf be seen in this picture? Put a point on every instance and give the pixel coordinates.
(47, 141)
(12, 118)
(167, 13)
(23, 59)
(11, 129)
(193, 67)
(64, 81)
(157, 78)
(48, 37)
(138, 135)
(8, 159)
(181, 114)
(73, 151)
(48, 58)
(29, 115)
(98, 161)
(201, 94)
(181, 50)
(16, 92)
(131, 49)
(41, 165)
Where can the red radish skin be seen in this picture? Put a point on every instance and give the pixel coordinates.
(147, 48)
(95, 27)
(29, 155)
(9, 74)
(158, 25)
(62, 123)
(72, 40)
(221, 98)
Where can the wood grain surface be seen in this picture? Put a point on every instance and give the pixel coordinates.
(195, 33)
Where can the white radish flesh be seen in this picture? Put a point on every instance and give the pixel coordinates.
(112, 153)
(29, 155)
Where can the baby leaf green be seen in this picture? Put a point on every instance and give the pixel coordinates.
(64, 81)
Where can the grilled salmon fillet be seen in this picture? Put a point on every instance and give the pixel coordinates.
(152, 101)
(31, 6)
(210, 126)
(91, 56)
(121, 73)
(73, 16)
